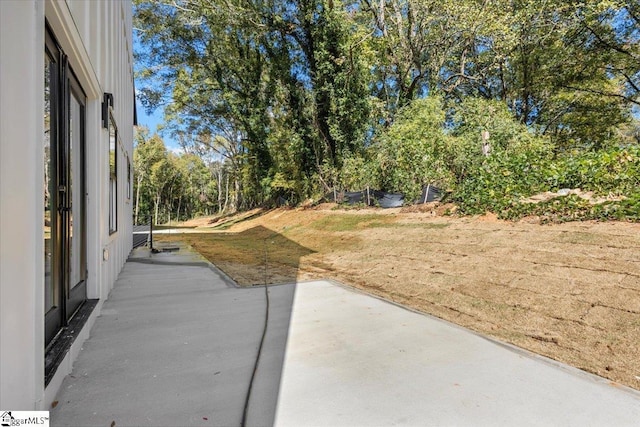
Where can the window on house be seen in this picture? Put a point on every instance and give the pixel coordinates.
(128, 178)
(113, 176)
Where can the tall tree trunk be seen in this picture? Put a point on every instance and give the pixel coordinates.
(226, 195)
(157, 205)
(169, 204)
(220, 209)
(236, 192)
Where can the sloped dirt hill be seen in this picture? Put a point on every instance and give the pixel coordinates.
(570, 291)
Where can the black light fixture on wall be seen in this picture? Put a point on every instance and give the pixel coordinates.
(107, 101)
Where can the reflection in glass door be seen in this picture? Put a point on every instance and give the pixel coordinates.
(53, 314)
(75, 221)
(49, 294)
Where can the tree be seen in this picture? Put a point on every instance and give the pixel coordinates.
(555, 74)
(192, 192)
(148, 151)
(289, 98)
(251, 69)
(413, 152)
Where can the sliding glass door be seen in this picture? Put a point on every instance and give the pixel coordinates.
(64, 191)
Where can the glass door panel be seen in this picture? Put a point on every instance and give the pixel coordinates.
(75, 193)
(52, 236)
(74, 225)
(50, 295)
(76, 201)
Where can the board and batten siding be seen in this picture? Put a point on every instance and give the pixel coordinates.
(97, 37)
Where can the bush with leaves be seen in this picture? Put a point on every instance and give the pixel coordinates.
(501, 181)
(515, 166)
(414, 150)
(506, 136)
(358, 173)
(615, 171)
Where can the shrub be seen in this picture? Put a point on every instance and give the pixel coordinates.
(614, 170)
(414, 149)
(515, 166)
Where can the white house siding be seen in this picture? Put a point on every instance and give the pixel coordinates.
(96, 35)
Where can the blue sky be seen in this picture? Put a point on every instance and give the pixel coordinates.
(152, 121)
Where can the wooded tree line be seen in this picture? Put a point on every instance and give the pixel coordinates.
(296, 97)
(173, 187)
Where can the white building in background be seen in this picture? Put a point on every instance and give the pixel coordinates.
(66, 136)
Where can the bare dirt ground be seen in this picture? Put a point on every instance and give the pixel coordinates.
(570, 291)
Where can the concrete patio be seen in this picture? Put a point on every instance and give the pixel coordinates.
(176, 345)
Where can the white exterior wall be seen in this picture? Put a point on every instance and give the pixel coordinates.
(21, 229)
(96, 35)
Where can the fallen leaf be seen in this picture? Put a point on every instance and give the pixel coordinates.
(54, 403)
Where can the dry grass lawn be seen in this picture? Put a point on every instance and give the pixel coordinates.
(570, 292)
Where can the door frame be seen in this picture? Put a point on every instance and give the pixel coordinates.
(53, 317)
(64, 85)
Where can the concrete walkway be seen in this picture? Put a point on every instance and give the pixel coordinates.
(354, 360)
(176, 343)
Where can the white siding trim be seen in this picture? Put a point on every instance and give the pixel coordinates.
(65, 29)
(21, 205)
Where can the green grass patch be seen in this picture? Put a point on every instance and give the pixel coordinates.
(404, 225)
(345, 222)
(247, 247)
(340, 223)
(172, 227)
(237, 220)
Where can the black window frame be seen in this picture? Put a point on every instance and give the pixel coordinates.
(128, 178)
(113, 174)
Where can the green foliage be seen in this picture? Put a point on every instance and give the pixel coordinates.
(511, 144)
(413, 151)
(295, 98)
(574, 208)
(340, 81)
(357, 173)
(169, 187)
(500, 182)
(614, 172)
(285, 83)
(416, 150)
(514, 167)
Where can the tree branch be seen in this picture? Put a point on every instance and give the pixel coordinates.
(599, 92)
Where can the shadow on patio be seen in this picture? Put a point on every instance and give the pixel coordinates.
(177, 341)
(176, 345)
(254, 256)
